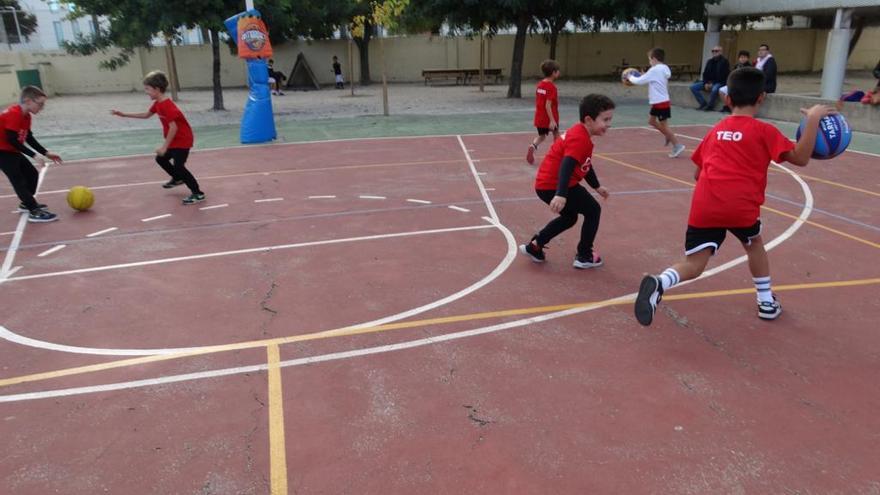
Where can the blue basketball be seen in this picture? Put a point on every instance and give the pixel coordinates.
(833, 137)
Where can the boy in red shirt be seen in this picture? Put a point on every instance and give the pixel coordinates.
(15, 132)
(732, 162)
(174, 151)
(558, 183)
(546, 107)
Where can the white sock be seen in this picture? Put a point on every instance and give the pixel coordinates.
(762, 286)
(669, 278)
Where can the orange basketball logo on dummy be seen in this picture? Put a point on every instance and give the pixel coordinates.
(253, 38)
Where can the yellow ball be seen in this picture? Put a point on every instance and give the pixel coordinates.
(80, 198)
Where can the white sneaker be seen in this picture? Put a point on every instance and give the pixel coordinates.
(676, 151)
(769, 310)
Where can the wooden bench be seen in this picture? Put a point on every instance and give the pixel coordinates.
(463, 76)
(431, 74)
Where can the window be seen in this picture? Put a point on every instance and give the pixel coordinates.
(54, 6)
(59, 32)
(74, 24)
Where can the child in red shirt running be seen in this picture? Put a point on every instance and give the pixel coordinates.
(732, 162)
(174, 151)
(15, 132)
(546, 107)
(558, 183)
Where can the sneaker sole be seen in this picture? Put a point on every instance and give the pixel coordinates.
(166, 186)
(192, 202)
(522, 249)
(42, 220)
(768, 316)
(676, 155)
(584, 266)
(643, 310)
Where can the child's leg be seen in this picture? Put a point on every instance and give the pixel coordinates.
(700, 245)
(663, 127)
(179, 155)
(538, 140)
(164, 161)
(23, 177)
(587, 206)
(566, 219)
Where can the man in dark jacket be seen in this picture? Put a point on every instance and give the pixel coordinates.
(714, 76)
(767, 64)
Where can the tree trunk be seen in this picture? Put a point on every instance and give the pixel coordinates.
(384, 76)
(215, 78)
(554, 38)
(363, 45)
(169, 62)
(519, 49)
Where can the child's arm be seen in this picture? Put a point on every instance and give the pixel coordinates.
(144, 115)
(643, 79)
(566, 168)
(802, 151)
(593, 181)
(548, 105)
(172, 131)
(36, 146)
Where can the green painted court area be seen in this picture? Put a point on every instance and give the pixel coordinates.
(627, 114)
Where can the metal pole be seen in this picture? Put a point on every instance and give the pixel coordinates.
(17, 26)
(248, 4)
(836, 55)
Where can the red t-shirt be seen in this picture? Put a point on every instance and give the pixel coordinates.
(546, 91)
(14, 119)
(575, 143)
(168, 113)
(733, 160)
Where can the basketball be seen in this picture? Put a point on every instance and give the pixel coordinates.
(631, 71)
(832, 139)
(80, 198)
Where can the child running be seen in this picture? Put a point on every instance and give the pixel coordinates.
(546, 107)
(15, 133)
(732, 162)
(657, 79)
(171, 155)
(558, 183)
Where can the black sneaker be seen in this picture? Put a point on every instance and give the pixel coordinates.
(41, 216)
(584, 262)
(769, 310)
(172, 183)
(650, 294)
(194, 198)
(533, 251)
(23, 209)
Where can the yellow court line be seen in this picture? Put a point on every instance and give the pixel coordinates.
(774, 210)
(277, 449)
(347, 331)
(832, 183)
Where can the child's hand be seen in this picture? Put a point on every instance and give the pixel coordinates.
(603, 192)
(161, 150)
(54, 157)
(554, 126)
(816, 112)
(557, 204)
(116, 113)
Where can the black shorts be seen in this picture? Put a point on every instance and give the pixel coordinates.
(700, 238)
(661, 113)
(543, 131)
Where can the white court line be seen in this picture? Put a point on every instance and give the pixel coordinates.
(19, 232)
(490, 188)
(366, 196)
(245, 251)
(95, 234)
(268, 200)
(458, 208)
(150, 219)
(805, 213)
(480, 185)
(224, 205)
(328, 196)
(419, 201)
(52, 250)
(7, 233)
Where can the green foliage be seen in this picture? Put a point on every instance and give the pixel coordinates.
(27, 22)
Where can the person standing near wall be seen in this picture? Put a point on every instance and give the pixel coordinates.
(767, 64)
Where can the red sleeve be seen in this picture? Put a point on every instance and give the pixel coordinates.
(697, 155)
(12, 122)
(174, 113)
(577, 146)
(777, 144)
(154, 108)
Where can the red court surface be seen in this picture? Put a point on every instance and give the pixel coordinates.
(353, 317)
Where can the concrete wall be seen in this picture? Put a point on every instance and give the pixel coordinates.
(581, 55)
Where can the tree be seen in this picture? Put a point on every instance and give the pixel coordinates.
(26, 25)
(383, 13)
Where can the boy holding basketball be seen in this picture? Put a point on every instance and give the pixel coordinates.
(558, 183)
(15, 133)
(657, 79)
(732, 163)
(546, 107)
(171, 155)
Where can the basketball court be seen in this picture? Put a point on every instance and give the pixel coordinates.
(352, 316)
